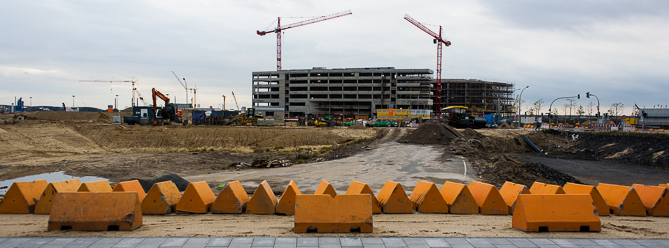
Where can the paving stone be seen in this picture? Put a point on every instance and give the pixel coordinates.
(370, 241)
(239, 245)
(479, 242)
(356, 242)
(285, 245)
(417, 241)
(583, 242)
(322, 241)
(456, 241)
(219, 242)
(394, 242)
(436, 242)
(522, 243)
(463, 246)
(242, 240)
(499, 241)
(625, 242)
(105, 243)
(606, 243)
(285, 241)
(2, 240)
(564, 243)
(541, 241)
(14, 242)
(151, 242)
(374, 245)
(128, 242)
(82, 242)
(174, 242)
(196, 243)
(329, 246)
(36, 242)
(506, 246)
(311, 242)
(263, 242)
(59, 242)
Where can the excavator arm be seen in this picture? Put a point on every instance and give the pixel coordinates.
(155, 94)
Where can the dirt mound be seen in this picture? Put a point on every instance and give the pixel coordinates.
(640, 149)
(181, 183)
(101, 117)
(504, 126)
(498, 169)
(432, 132)
(472, 134)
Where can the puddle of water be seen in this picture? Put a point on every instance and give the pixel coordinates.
(49, 177)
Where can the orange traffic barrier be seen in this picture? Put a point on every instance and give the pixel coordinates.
(664, 185)
(362, 188)
(286, 204)
(197, 198)
(459, 198)
(576, 189)
(95, 211)
(325, 188)
(21, 197)
(393, 199)
(131, 186)
(46, 201)
(161, 199)
(654, 198)
(426, 198)
(324, 214)
(488, 198)
(622, 200)
(263, 200)
(97, 186)
(555, 213)
(510, 192)
(545, 189)
(231, 200)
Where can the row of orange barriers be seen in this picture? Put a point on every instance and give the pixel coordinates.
(543, 207)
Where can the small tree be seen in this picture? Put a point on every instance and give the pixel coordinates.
(616, 108)
(589, 108)
(537, 106)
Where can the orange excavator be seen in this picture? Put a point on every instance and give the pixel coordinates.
(166, 115)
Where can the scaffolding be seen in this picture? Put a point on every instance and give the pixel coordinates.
(482, 97)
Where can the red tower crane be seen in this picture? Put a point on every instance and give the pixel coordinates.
(280, 28)
(438, 40)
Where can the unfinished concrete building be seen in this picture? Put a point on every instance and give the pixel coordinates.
(347, 92)
(478, 95)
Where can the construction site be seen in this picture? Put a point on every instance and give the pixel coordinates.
(375, 152)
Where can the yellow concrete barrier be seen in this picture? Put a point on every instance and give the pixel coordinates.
(459, 198)
(197, 198)
(555, 213)
(263, 200)
(488, 198)
(654, 198)
(622, 200)
(325, 188)
(575, 189)
(46, 201)
(341, 214)
(286, 204)
(97, 186)
(393, 199)
(231, 200)
(426, 198)
(545, 189)
(95, 211)
(131, 186)
(21, 197)
(362, 188)
(510, 192)
(161, 199)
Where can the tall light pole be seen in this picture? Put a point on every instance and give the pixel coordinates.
(72, 101)
(588, 94)
(223, 102)
(116, 103)
(31, 102)
(520, 100)
(550, 108)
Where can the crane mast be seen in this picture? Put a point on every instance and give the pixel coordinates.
(439, 41)
(280, 28)
(233, 96)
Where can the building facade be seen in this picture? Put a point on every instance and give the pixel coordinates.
(483, 97)
(347, 92)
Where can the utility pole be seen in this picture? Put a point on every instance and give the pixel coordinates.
(116, 103)
(72, 101)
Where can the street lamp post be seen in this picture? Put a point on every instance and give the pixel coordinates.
(550, 109)
(116, 103)
(72, 101)
(223, 102)
(520, 99)
(588, 94)
(31, 102)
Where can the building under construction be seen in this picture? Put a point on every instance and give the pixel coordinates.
(347, 92)
(482, 97)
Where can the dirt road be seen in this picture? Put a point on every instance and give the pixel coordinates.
(403, 163)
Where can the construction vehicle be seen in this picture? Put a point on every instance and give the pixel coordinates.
(244, 119)
(145, 115)
(458, 117)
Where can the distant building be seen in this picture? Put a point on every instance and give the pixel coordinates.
(654, 117)
(348, 92)
(478, 95)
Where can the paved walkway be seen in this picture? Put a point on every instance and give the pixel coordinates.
(245, 242)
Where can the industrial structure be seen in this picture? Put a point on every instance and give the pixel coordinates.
(481, 97)
(347, 92)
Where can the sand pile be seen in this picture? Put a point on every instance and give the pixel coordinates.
(432, 132)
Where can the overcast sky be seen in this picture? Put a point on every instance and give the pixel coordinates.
(618, 50)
